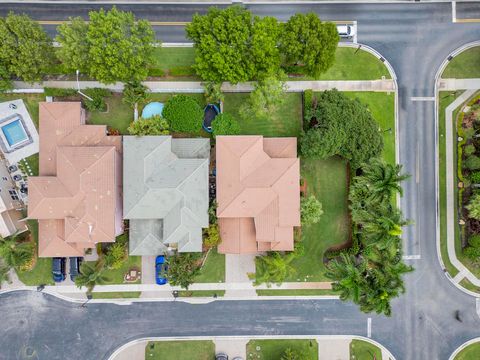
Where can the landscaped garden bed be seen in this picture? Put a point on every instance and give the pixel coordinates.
(281, 348)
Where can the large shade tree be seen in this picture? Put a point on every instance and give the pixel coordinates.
(307, 41)
(113, 46)
(15, 253)
(25, 48)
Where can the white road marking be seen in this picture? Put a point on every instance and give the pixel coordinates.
(477, 306)
(411, 257)
(422, 98)
(369, 327)
(355, 37)
(417, 167)
(454, 11)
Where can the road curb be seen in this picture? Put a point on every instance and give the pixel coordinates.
(125, 346)
(463, 346)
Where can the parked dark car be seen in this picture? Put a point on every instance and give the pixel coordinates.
(75, 263)
(58, 269)
(221, 356)
(161, 269)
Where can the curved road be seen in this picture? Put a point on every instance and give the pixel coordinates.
(415, 38)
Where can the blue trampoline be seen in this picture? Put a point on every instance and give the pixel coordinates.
(209, 113)
(152, 109)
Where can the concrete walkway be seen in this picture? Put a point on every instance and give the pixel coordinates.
(450, 134)
(237, 268)
(196, 86)
(458, 84)
(335, 349)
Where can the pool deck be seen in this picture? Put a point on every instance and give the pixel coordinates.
(29, 149)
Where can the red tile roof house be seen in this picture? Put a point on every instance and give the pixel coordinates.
(258, 193)
(78, 196)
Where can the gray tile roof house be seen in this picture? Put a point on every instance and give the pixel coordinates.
(165, 193)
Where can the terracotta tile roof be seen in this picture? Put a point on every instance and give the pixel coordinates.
(76, 196)
(258, 193)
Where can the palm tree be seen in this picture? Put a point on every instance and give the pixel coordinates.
(15, 253)
(273, 268)
(90, 275)
(382, 179)
(348, 277)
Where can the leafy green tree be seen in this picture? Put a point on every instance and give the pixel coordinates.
(469, 149)
(119, 47)
(5, 79)
(264, 51)
(306, 41)
(225, 124)
(345, 127)
(213, 92)
(348, 275)
(152, 126)
(232, 45)
(310, 210)
(472, 163)
(473, 207)
(264, 99)
(91, 275)
(212, 236)
(73, 53)
(134, 92)
(273, 268)
(182, 269)
(15, 253)
(183, 114)
(25, 48)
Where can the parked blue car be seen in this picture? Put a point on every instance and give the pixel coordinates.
(58, 269)
(161, 269)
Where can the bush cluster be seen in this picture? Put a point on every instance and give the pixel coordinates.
(183, 114)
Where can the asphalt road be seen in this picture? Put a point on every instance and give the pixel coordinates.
(415, 38)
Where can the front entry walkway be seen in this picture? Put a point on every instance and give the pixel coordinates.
(237, 268)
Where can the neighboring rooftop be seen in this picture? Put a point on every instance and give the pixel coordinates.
(77, 197)
(18, 135)
(258, 193)
(165, 193)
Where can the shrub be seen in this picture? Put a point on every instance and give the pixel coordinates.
(310, 210)
(156, 72)
(469, 150)
(475, 177)
(183, 114)
(98, 99)
(472, 251)
(307, 104)
(212, 236)
(225, 124)
(182, 71)
(116, 256)
(473, 207)
(152, 126)
(48, 91)
(472, 163)
(182, 269)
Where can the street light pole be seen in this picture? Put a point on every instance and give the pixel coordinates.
(78, 87)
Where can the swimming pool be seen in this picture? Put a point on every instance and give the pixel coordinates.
(14, 132)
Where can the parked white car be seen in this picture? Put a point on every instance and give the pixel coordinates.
(346, 31)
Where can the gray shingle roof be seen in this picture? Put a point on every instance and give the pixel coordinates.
(165, 192)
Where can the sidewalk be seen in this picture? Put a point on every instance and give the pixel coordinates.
(450, 165)
(458, 84)
(196, 86)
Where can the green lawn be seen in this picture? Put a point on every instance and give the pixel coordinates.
(446, 98)
(302, 292)
(117, 276)
(274, 349)
(350, 64)
(464, 65)
(286, 121)
(214, 268)
(116, 295)
(118, 116)
(174, 62)
(180, 350)
(42, 272)
(327, 180)
(363, 350)
(382, 107)
(471, 352)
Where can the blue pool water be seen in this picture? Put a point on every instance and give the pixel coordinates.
(14, 132)
(151, 109)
